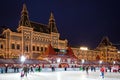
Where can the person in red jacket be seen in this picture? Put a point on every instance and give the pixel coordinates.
(102, 70)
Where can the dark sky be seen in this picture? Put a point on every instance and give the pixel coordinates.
(81, 22)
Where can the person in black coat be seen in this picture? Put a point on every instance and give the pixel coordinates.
(87, 68)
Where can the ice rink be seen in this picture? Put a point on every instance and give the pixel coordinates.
(61, 75)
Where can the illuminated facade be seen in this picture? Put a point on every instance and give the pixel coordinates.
(105, 52)
(31, 38)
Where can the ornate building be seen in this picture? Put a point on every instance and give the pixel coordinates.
(31, 38)
(105, 51)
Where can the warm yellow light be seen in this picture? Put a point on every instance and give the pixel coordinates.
(100, 61)
(58, 60)
(118, 51)
(23, 58)
(84, 48)
(114, 62)
(83, 60)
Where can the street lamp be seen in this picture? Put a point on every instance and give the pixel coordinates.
(83, 61)
(58, 60)
(114, 63)
(100, 62)
(23, 59)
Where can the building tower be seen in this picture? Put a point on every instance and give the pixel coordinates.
(53, 31)
(26, 31)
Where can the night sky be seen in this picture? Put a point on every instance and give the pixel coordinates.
(81, 22)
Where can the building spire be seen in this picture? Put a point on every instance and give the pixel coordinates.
(52, 24)
(105, 42)
(24, 21)
(24, 10)
(52, 16)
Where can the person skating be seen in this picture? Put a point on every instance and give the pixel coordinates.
(87, 68)
(25, 69)
(102, 70)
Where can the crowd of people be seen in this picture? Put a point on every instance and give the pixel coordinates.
(26, 69)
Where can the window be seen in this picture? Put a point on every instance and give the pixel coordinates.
(18, 46)
(37, 48)
(13, 46)
(33, 48)
(45, 48)
(41, 48)
(26, 48)
(1, 46)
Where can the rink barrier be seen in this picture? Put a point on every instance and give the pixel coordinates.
(10, 70)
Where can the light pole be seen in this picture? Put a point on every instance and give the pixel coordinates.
(114, 63)
(58, 60)
(100, 62)
(22, 59)
(83, 61)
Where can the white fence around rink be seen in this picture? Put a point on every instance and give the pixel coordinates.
(10, 70)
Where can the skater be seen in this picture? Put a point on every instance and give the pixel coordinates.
(53, 68)
(31, 69)
(22, 73)
(102, 70)
(94, 68)
(87, 68)
(25, 69)
(65, 68)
